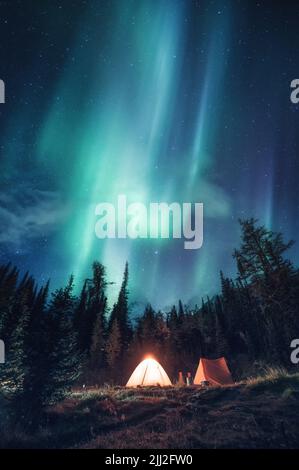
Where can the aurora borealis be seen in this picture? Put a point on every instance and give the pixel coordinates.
(165, 100)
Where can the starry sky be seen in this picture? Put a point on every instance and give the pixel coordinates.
(161, 100)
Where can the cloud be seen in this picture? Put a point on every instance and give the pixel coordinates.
(27, 214)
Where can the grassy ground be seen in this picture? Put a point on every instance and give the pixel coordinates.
(258, 413)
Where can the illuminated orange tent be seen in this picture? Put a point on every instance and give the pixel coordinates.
(149, 372)
(214, 371)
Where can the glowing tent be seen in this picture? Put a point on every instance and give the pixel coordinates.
(214, 371)
(149, 372)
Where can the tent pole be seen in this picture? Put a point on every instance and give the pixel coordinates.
(144, 374)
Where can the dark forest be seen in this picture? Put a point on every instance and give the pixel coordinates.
(57, 341)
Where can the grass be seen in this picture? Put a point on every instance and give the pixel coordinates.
(277, 378)
(258, 413)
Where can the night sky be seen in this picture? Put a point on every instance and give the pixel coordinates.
(161, 100)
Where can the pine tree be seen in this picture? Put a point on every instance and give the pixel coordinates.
(54, 363)
(16, 328)
(261, 251)
(221, 343)
(272, 281)
(113, 348)
(97, 349)
(64, 360)
(80, 321)
(8, 288)
(13, 371)
(90, 321)
(120, 312)
(146, 330)
(181, 312)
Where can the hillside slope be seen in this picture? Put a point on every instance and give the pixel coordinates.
(257, 414)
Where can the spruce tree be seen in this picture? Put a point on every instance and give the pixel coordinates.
(120, 312)
(273, 283)
(53, 363)
(97, 349)
(91, 305)
(63, 360)
(113, 351)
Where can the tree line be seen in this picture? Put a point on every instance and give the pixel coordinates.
(57, 340)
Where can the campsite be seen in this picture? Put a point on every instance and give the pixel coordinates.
(258, 413)
(78, 374)
(209, 372)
